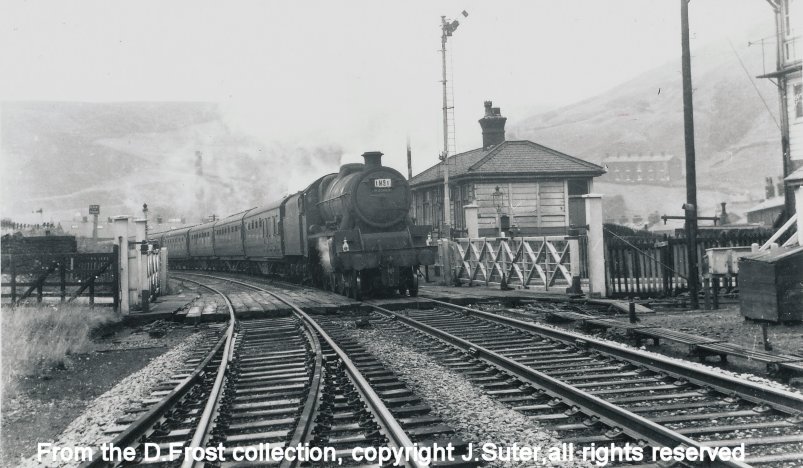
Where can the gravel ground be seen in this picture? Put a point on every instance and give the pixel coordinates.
(657, 351)
(726, 324)
(477, 417)
(88, 429)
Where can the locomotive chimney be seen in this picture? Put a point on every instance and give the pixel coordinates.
(372, 159)
(493, 126)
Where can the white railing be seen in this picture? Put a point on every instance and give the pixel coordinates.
(787, 226)
(529, 261)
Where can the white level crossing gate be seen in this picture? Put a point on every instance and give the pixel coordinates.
(529, 261)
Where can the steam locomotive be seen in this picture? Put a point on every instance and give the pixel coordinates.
(350, 232)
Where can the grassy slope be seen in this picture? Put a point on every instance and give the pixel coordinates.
(36, 338)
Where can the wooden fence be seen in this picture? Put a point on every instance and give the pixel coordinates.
(658, 267)
(65, 276)
(528, 261)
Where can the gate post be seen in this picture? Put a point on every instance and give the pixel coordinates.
(472, 222)
(121, 240)
(143, 293)
(596, 245)
(574, 262)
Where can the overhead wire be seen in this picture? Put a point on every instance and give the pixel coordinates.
(752, 82)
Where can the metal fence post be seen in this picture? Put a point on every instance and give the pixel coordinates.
(121, 239)
(62, 281)
(142, 294)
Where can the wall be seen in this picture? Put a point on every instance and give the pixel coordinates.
(539, 207)
(795, 122)
(534, 207)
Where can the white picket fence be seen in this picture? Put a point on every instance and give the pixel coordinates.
(529, 261)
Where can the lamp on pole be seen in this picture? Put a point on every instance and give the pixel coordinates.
(448, 28)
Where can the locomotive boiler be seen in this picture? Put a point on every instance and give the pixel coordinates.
(349, 232)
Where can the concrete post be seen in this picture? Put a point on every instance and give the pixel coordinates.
(472, 221)
(121, 239)
(164, 289)
(596, 245)
(142, 283)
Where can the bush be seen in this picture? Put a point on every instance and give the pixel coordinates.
(37, 338)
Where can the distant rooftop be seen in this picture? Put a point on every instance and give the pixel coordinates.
(638, 158)
(774, 202)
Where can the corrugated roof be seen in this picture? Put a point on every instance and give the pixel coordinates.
(511, 157)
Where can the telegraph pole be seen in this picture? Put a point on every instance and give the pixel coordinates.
(446, 31)
(690, 207)
(448, 28)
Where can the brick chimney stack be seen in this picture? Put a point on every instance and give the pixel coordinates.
(493, 126)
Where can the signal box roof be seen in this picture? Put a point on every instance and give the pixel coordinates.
(522, 158)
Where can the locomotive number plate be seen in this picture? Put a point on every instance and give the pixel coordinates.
(382, 183)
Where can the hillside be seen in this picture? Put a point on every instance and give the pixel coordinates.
(64, 156)
(737, 141)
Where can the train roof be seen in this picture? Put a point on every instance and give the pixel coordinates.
(236, 217)
(172, 231)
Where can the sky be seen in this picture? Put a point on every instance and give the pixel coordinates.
(364, 75)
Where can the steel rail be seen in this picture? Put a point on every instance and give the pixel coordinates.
(306, 420)
(141, 425)
(637, 427)
(779, 399)
(201, 434)
(390, 426)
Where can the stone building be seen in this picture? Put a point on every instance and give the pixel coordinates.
(661, 169)
(519, 186)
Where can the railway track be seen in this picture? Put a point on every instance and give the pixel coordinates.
(282, 391)
(593, 392)
(178, 407)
